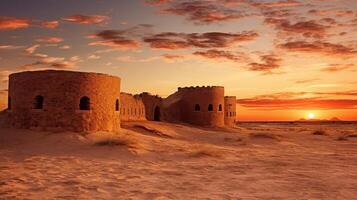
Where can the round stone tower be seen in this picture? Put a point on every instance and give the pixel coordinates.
(202, 105)
(230, 110)
(64, 100)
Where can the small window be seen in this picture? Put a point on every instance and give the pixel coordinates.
(197, 107)
(220, 107)
(227, 114)
(210, 107)
(38, 102)
(117, 105)
(84, 103)
(9, 103)
(230, 114)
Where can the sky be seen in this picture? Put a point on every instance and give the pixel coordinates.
(283, 59)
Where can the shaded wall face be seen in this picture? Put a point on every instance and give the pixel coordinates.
(151, 102)
(230, 110)
(62, 92)
(210, 103)
(131, 108)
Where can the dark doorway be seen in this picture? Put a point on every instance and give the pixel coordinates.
(9, 103)
(197, 107)
(117, 105)
(157, 113)
(84, 103)
(38, 104)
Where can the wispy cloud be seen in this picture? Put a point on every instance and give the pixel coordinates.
(301, 100)
(11, 23)
(172, 40)
(86, 19)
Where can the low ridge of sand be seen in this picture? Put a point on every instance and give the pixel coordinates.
(156, 160)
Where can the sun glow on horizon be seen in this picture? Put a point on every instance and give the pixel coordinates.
(311, 116)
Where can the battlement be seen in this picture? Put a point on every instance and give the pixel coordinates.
(60, 73)
(195, 88)
(149, 95)
(135, 96)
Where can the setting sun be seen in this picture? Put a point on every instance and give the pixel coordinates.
(311, 116)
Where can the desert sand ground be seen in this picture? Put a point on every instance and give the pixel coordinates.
(156, 160)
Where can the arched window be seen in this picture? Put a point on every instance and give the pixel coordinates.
(84, 103)
(38, 104)
(210, 107)
(117, 105)
(197, 107)
(9, 103)
(220, 107)
(230, 114)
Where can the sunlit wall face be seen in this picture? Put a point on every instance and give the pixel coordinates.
(282, 59)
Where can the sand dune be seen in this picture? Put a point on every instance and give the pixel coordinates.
(156, 160)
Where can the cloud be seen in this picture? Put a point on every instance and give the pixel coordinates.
(115, 38)
(48, 62)
(318, 47)
(300, 100)
(93, 57)
(12, 23)
(32, 49)
(307, 81)
(220, 55)
(49, 24)
(157, 2)
(173, 57)
(64, 47)
(10, 47)
(337, 67)
(269, 63)
(86, 19)
(278, 4)
(172, 40)
(50, 39)
(310, 28)
(200, 11)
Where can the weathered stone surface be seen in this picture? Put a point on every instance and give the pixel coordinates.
(61, 92)
(131, 107)
(230, 103)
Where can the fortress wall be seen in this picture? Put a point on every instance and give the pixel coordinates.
(131, 107)
(203, 97)
(62, 92)
(230, 103)
(151, 102)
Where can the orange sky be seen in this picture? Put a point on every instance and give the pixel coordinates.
(283, 59)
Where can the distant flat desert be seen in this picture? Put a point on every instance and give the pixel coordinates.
(158, 160)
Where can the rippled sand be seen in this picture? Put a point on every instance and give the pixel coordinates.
(152, 160)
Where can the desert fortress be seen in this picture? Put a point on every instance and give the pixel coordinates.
(81, 101)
